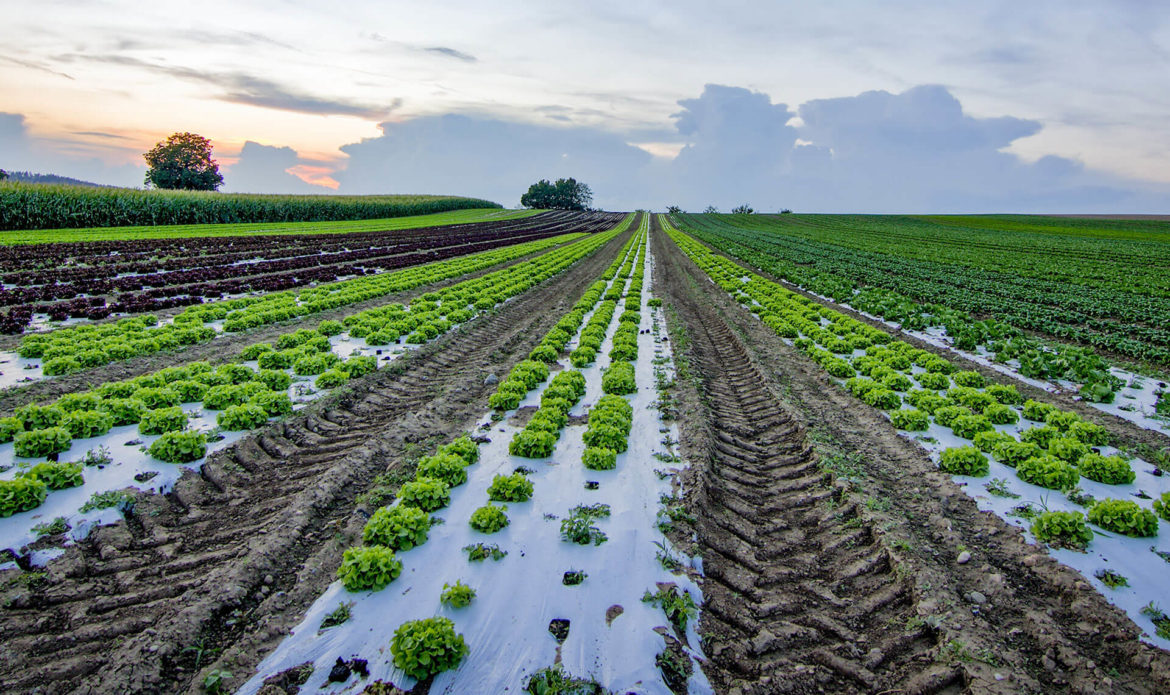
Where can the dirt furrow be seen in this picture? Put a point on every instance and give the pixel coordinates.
(791, 569)
(219, 569)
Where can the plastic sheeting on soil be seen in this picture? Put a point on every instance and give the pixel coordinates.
(132, 467)
(506, 627)
(1134, 402)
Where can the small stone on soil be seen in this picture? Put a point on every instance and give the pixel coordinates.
(975, 597)
(964, 558)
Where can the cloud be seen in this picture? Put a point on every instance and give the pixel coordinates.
(97, 134)
(452, 53)
(20, 150)
(243, 88)
(267, 169)
(924, 120)
(34, 66)
(737, 143)
(490, 158)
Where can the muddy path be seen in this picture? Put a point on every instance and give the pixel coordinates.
(1126, 433)
(223, 348)
(215, 573)
(832, 546)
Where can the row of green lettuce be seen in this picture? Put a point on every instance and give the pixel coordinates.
(1054, 455)
(245, 397)
(425, 647)
(1003, 340)
(68, 350)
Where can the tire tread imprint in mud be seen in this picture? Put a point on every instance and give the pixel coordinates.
(799, 594)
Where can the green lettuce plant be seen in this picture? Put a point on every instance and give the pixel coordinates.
(489, 518)
(965, 460)
(422, 648)
(180, 447)
(398, 527)
(1125, 517)
(368, 568)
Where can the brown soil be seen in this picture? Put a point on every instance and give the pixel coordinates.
(214, 574)
(818, 581)
(222, 349)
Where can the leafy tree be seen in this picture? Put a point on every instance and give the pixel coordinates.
(673, 210)
(744, 209)
(3, 174)
(711, 209)
(183, 161)
(785, 211)
(565, 194)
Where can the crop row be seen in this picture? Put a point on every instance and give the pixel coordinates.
(73, 349)
(203, 267)
(540, 435)
(245, 397)
(522, 501)
(39, 206)
(1055, 455)
(246, 271)
(405, 524)
(1004, 341)
(163, 232)
(1101, 255)
(140, 271)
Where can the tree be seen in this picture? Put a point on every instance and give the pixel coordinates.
(183, 161)
(565, 194)
(711, 209)
(673, 210)
(744, 209)
(3, 174)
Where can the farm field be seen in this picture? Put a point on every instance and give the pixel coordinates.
(1072, 302)
(587, 453)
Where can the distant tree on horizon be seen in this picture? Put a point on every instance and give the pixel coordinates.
(183, 162)
(3, 174)
(673, 210)
(744, 209)
(711, 210)
(565, 194)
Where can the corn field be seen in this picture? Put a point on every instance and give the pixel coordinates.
(38, 206)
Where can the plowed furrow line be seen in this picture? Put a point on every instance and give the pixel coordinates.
(799, 593)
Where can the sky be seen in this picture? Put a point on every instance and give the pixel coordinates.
(836, 106)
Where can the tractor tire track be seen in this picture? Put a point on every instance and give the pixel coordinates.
(799, 593)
